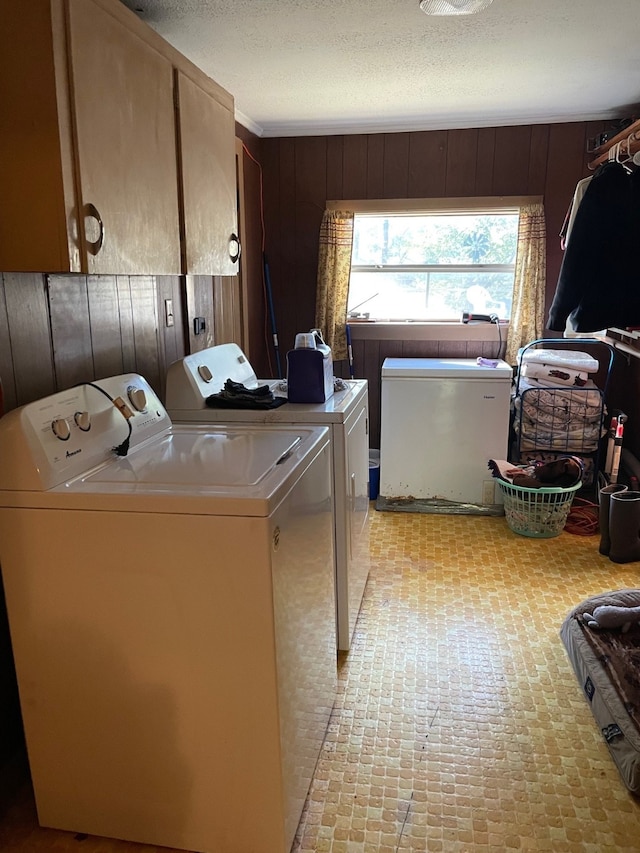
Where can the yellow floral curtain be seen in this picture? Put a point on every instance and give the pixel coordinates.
(334, 268)
(527, 310)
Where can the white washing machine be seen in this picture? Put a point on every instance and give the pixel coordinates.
(442, 419)
(346, 413)
(172, 616)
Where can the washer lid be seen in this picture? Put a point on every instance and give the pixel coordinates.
(468, 368)
(199, 460)
(200, 470)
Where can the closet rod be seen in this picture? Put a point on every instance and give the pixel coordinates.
(632, 133)
(619, 345)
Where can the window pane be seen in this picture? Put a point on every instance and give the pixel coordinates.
(478, 238)
(429, 295)
(453, 244)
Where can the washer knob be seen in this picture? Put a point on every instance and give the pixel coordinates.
(205, 373)
(61, 429)
(83, 421)
(137, 398)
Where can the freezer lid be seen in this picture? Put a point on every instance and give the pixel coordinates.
(444, 368)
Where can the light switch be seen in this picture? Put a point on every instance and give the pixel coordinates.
(168, 312)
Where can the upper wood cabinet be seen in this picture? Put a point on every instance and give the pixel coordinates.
(206, 133)
(125, 146)
(92, 162)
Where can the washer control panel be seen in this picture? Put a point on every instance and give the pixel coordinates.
(60, 437)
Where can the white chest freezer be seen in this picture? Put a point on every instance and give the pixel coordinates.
(442, 419)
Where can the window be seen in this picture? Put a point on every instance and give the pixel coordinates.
(432, 266)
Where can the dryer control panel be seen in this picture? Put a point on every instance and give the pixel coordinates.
(51, 441)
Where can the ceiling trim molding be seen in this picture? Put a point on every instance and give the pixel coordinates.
(249, 123)
(403, 125)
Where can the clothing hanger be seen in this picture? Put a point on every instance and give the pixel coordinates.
(616, 153)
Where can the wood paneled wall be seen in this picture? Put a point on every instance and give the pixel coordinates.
(302, 173)
(58, 330)
(254, 310)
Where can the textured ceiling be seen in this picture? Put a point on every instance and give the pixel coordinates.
(300, 67)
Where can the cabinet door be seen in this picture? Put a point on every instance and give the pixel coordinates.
(208, 179)
(122, 91)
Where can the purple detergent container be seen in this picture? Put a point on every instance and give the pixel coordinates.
(309, 369)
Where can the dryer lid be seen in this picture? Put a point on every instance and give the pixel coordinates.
(192, 379)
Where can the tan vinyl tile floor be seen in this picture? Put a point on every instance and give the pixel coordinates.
(459, 724)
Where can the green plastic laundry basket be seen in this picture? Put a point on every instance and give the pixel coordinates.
(540, 513)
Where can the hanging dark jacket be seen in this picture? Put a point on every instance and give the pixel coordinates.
(599, 281)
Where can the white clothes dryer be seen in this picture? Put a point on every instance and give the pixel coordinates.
(191, 380)
(172, 617)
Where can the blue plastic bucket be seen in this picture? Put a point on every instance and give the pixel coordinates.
(374, 474)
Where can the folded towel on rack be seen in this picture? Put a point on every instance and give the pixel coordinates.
(586, 400)
(570, 359)
(579, 440)
(554, 374)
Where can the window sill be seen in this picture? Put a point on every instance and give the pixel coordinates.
(389, 331)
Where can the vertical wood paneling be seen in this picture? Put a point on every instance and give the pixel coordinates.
(358, 358)
(485, 160)
(418, 349)
(375, 166)
(271, 183)
(70, 329)
(538, 155)
(177, 286)
(453, 349)
(462, 146)
(6, 357)
(370, 370)
(28, 319)
(252, 268)
(511, 160)
(170, 338)
(395, 177)
(284, 272)
(275, 225)
(427, 164)
(145, 330)
(311, 196)
(335, 152)
(226, 306)
(125, 312)
(355, 167)
(104, 321)
(199, 300)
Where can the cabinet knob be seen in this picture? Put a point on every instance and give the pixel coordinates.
(90, 210)
(234, 248)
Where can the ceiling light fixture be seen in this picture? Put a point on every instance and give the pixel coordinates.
(453, 7)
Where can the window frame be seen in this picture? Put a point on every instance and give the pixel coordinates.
(425, 329)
